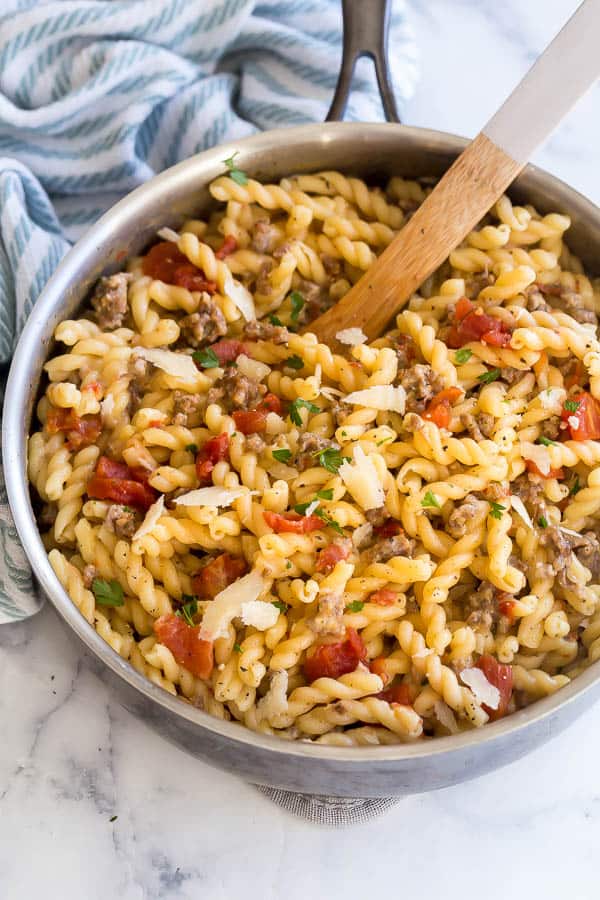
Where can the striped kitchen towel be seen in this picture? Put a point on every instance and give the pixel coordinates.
(96, 97)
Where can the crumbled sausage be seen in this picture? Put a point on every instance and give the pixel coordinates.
(236, 391)
(377, 517)
(89, 574)
(264, 236)
(482, 606)
(569, 301)
(474, 285)
(461, 516)
(421, 383)
(110, 300)
(122, 521)
(140, 371)
(316, 300)
(186, 406)
(263, 282)
(264, 331)
(381, 551)
(329, 618)
(340, 411)
(531, 493)
(479, 426)
(255, 443)
(332, 265)
(589, 554)
(205, 325)
(510, 375)
(551, 427)
(310, 444)
(406, 350)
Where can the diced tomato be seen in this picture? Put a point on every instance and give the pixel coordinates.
(186, 645)
(397, 694)
(250, 421)
(213, 451)
(507, 607)
(271, 403)
(110, 468)
(333, 660)
(228, 247)
(228, 350)
(218, 574)
(121, 490)
(501, 677)
(167, 263)
(472, 324)
(81, 431)
(292, 523)
(438, 408)
(384, 597)
(331, 555)
(587, 416)
(377, 667)
(553, 473)
(390, 528)
(577, 376)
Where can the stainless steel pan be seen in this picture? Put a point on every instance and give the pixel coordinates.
(367, 150)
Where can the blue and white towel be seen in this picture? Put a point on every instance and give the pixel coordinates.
(97, 96)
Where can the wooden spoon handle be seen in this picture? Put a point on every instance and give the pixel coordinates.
(475, 181)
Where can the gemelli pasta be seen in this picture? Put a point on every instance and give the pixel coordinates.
(368, 545)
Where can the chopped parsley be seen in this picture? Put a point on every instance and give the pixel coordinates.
(488, 377)
(546, 441)
(188, 610)
(575, 487)
(463, 356)
(355, 607)
(281, 606)
(385, 440)
(191, 448)
(430, 500)
(294, 362)
(301, 508)
(234, 173)
(296, 405)
(329, 521)
(571, 405)
(331, 459)
(237, 648)
(206, 358)
(288, 565)
(107, 593)
(282, 456)
(543, 522)
(297, 301)
(326, 494)
(274, 320)
(496, 509)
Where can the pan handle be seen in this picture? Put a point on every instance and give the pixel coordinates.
(366, 32)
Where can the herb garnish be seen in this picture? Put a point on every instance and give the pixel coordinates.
(274, 320)
(327, 494)
(496, 509)
(107, 593)
(571, 405)
(575, 487)
(331, 459)
(546, 441)
(543, 522)
(206, 358)
(191, 448)
(297, 301)
(234, 173)
(463, 356)
(488, 377)
(237, 648)
(430, 500)
(281, 606)
(294, 362)
(188, 610)
(300, 403)
(282, 456)
(355, 607)
(329, 521)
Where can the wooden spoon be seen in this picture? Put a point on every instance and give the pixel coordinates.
(480, 175)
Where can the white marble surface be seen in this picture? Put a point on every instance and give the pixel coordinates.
(71, 758)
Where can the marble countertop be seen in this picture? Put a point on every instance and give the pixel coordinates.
(71, 760)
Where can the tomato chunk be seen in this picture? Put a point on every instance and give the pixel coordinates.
(438, 408)
(377, 667)
(397, 694)
(251, 421)
(128, 493)
(167, 263)
(390, 528)
(384, 597)
(501, 677)
(81, 431)
(584, 422)
(472, 324)
(292, 523)
(110, 468)
(228, 247)
(218, 574)
(186, 645)
(271, 403)
(228, 350)
(553, 473)
(213, 451)
(333, 660)
(331, 555)
(507, 608)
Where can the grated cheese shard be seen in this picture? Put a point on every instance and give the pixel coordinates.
(520, 509)
(482, 689)
(352, 336)
(538, 454)
(385, 397)
(259, 614)
(151, 518)
(179, 365)
(252, 368)
(362, 481)
(227, 605)
(210, 496)
(238, 294)
(552, 400)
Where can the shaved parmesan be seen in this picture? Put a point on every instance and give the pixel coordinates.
(211, 496)
(519, 507)
(568, 531)
(180, 365)
(362, 534)
(482, 689)
(167, 234)
(228, 604)
(260, 614)
(362, 481)
(275, 702)
(385, 397)
(280, 470)
(552, 399)
(311, 508)
(330, 393)
(151, 518)
(238, 294)
(573, 422)
(421, 654)
(252, 368)
(538, 454)
(445, 716)
(351, 336)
